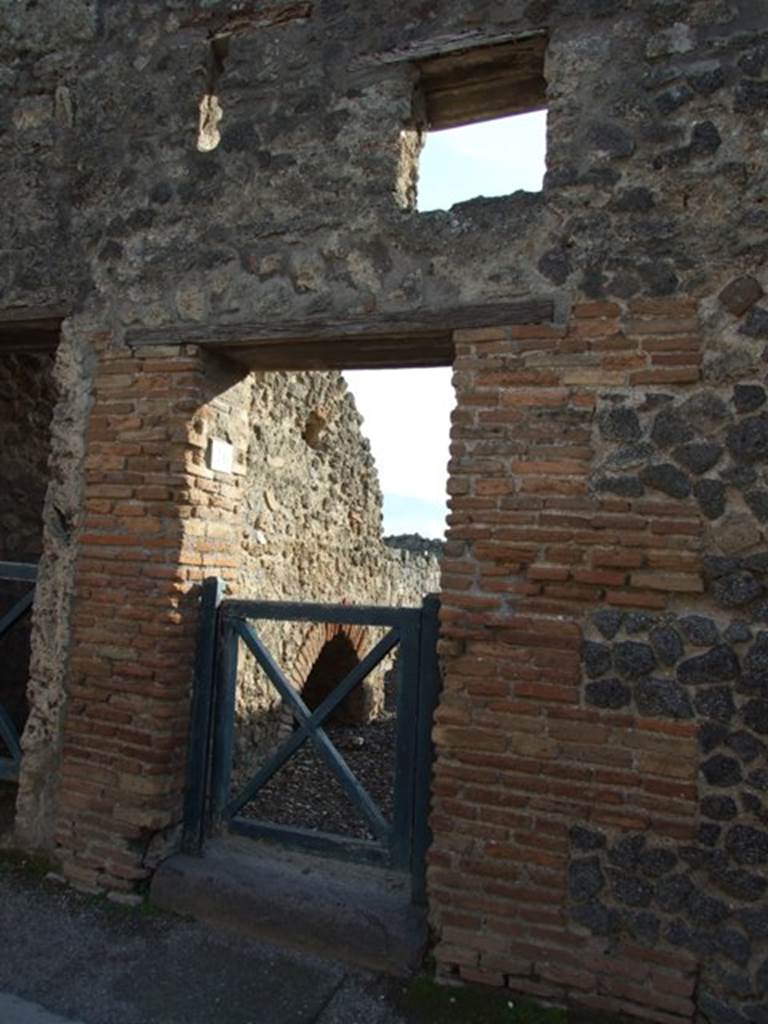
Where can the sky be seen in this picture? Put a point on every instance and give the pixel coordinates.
(406, 413)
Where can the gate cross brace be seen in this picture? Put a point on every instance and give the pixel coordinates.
(310, 727)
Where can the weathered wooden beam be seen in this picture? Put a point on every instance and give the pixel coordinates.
(30, 328)
(488, 82)
(439, 46)
(219, 20)
(391, 326)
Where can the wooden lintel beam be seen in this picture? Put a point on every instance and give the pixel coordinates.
(392, 326)
(219, 20)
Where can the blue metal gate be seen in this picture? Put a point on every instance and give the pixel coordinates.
(10, 747)
(227, 626)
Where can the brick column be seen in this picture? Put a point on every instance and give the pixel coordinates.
(157, 521)
(524, 760)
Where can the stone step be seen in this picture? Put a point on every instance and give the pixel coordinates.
(343, 911)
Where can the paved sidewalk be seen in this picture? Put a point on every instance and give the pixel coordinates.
(88, 961)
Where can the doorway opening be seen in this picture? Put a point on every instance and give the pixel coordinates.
(29, 395)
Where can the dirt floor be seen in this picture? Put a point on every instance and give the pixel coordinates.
(305, 793)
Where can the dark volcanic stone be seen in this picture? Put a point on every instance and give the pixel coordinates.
(754, 921)
(663, 698)
(626, 853)
(758, 779)
(673, 98)
(716, 702)
(657, 862)
(161, 193)
(761, 978)
(737, 589)
(719, 665)
(619, 424)
(670, 428)
(667, 644)
(638, 622)
(705, 911)
(751, 804)
(631, 890)
(698, 457)
(599, 919)
(738, 883)
(633, 660)
(757, 499)
(666, 478)
(721, 808)
(738, 632)
(634, 200)
(747, 845)
(699, 630)
(718, 1012)
(739, 295)
(705, 412)
(739, 476)
(608, 693)
(750, 96)
(711, 496)
(596, 658)
(644, 926)
(756, 658)
(708, 82)
(757, 562)
(746, 746)
(705, 139)
(611, 139)
(755, 715)
(720, 770)
(629, 456)
(748, 397)
(735, 946)
(708, 834)
(753, 61)
(585, 879)
(748, 440)
(711, 735)
(673, 893)
(623, 486)
(756, 324)
(586, 838)
(556, 265)
(608, 622)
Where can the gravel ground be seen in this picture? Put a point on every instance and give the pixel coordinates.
(305, 793)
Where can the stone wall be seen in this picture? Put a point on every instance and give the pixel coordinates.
(611, 460)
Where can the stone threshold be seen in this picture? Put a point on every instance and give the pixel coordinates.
(339, 910)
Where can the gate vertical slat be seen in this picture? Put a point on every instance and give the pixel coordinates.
(224, 717)
(407, 709)
(199, 751)
(429, 693)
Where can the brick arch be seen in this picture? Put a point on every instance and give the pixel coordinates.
(328, 653)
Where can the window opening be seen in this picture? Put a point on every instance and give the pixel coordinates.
(494, 158)
(481, 115)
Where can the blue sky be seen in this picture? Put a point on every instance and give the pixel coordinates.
(406, 413)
